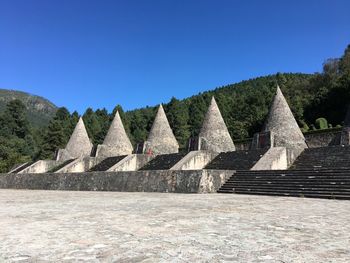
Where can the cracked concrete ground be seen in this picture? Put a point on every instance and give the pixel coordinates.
(59, 226)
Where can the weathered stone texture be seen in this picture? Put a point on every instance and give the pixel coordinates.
(41, 166)
(323, 138)
(116, 142)
(161, 139)
(195, 181)
(274, 159)
(281, 122)
(58, 226)
(132, 162)
(195, 160)
(214, 135)
(78, 145)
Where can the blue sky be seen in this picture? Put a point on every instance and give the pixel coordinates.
(101, 53)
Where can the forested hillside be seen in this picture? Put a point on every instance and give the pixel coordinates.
(39, 110)
(244, 107)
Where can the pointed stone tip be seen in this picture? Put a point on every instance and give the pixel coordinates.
(79, 143)
(161, 139)
(116, 141)
(278, 90)
(282, 123)
(80, 124)
(214, 134)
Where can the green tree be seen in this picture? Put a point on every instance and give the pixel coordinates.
(16, 141)
(178, 116)
(14, 120)
(92, 125)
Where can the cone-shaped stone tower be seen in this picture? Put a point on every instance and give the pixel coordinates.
(161, 139)
(282, 124)
(117, 141)
(79, 144)
(214, 135)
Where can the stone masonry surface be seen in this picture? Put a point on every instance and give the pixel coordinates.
(214, 134)
(161, 139)
(62, 226)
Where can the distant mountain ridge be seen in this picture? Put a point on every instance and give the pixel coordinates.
(40, 110)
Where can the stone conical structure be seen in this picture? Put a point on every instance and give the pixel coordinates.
(214, 135)
(116, 141)
(161, 139)
(282, 124)
(79, 144)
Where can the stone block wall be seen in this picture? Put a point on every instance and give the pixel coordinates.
(323, 138)
(196, 181)
(314, 139)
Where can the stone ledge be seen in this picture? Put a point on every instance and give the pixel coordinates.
(190, 181)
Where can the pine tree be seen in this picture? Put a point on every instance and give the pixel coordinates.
(104, 121)
(197, 109)
(14, 120)
(178, 116)
(57, 133)
(92, 125)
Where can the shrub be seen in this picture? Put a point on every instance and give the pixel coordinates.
(321, 123)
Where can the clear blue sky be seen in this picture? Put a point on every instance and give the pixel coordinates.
(137, 53)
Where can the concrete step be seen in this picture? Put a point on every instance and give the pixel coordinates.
(312, 195)
(331, 183)
(289, 188)
(22, 167)
(164, 161)
(58, 167)
(107, 163)
(326, 157)
(339, 184)
(237, 160)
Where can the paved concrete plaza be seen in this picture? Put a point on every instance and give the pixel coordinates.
(58, 226)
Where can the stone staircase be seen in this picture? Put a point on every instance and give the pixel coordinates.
(237, 160)
(21, 168)
(58, 167)
(332, 157)
(107, 163)
(317, 172)
(326, 183)
(163, 161)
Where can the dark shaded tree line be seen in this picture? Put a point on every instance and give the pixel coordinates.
(317, 100)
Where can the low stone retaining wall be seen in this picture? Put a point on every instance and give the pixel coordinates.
(314, 139)
(190, 181)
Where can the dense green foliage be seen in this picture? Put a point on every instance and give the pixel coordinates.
(317, 100)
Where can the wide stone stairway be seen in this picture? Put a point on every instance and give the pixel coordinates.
(237, 160)
(58, 167)
(21, 168)
(332, 157)
(163, 161)
(107, 163)
(318, 172)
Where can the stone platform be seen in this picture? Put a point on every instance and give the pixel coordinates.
(63, 226)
